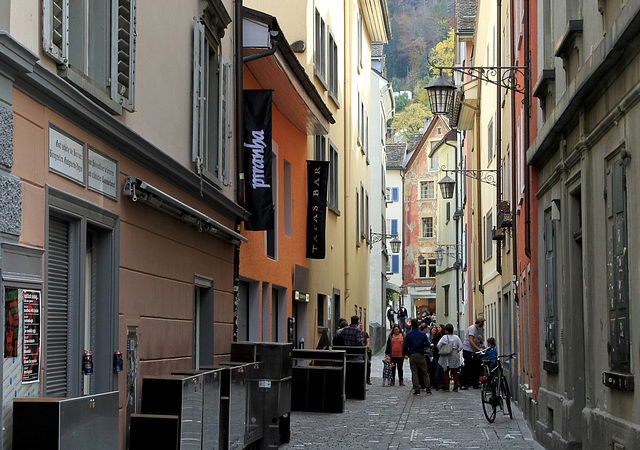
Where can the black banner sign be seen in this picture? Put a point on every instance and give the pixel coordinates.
(317, 175)
(257, 159)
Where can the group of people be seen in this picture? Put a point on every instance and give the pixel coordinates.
(352, 335)
(403, 318)
(434, 356)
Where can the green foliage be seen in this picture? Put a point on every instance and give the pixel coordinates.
(401, 102)
(411, 119)
(390, 296)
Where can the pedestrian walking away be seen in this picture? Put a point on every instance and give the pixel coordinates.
(449, 348)
(394, 351)
(415, 346)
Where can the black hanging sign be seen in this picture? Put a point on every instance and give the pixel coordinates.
(257, 159)
(317, 175)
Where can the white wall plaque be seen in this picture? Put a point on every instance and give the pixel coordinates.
(102, 173)
(66, 155)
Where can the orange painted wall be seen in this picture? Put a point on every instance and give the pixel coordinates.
(254, 264)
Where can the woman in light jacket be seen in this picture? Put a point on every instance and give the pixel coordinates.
(451, 361)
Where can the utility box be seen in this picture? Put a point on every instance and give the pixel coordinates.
(88, 422)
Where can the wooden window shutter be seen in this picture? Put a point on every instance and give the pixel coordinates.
(199, 60)
(123, 38)
(56, 29)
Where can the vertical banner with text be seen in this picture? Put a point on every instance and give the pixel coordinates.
(317, 176)
(31, 335)
(257, 159)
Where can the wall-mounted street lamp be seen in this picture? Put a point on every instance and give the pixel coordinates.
(441, 252)
(441, 93)
(448, 184)
(395, 242)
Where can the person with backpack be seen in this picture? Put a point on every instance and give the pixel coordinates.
(449, 347)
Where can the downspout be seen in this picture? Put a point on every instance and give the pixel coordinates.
(499, 133)
(478, 219)
(457, 219)
(514, 173)
(527, 118)
(238, 119)
(239, 100)
(347, 156)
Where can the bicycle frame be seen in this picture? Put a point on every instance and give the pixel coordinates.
(495, 389)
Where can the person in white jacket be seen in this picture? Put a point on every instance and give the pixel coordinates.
(450, 361)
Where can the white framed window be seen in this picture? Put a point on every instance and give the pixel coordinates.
(434, 163)
(422, 267)
(427, 227)
(360, 33)
(211, 115)
(94, 46)
(488, 239)
(427, 190)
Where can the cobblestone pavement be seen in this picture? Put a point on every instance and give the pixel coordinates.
(393, 418)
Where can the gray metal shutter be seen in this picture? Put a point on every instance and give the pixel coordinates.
(55, 32)
(199, 94)
(550, 288)
(57, 309)
(617, 267)
(123, 36)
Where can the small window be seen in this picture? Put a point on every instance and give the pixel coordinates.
(427, 227)
(319, 148)
(434, 163)
(432, 268)
(94, 45)
(333, 177)
(320, 53)
(490, 141)
(422, 267)
(333, 67)
(427, 190)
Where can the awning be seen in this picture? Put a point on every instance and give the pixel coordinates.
(141, 191)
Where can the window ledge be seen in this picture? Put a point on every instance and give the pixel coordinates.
(571, 31)
(621, 381)
(334, 209)
(551, 366)
(320, 78)
(88, 87)
(546, 77)
(334, 98)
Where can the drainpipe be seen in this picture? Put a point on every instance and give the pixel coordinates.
(514, 173)
(238, 119)
(527, 118)
(499, 134)
(457, 220)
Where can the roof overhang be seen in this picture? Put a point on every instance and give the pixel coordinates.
(294, 94)
(376, 17)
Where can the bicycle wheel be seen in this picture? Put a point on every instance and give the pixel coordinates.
(489, 401)
(506, 395)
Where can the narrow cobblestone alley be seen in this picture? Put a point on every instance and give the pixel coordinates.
(393, 418)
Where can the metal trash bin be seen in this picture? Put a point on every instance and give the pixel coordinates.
(318, 380)
(178, 395)
(62, 423)
(243, 410)
(211, 381)
(273, 382)
(356, 371)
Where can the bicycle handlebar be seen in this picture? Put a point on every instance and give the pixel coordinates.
(511, 355)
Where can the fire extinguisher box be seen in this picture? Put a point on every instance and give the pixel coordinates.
(88, 422)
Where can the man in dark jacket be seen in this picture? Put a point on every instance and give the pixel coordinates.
(402, 318)
(415, 346)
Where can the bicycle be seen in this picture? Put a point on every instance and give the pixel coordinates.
(495, 389)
